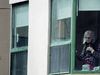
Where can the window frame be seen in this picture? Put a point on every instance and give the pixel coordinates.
(16, 49)
(72, 47)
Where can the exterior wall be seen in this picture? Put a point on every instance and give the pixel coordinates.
(38, 37)
(4, 37)
(16, 1)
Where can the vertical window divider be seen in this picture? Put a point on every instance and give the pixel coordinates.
(15, 38)
(59, 59)
(70, 59)
(73, 36)
(11, 22)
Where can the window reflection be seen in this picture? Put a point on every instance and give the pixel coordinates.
(61, 21)
(61, 32)
(22, 36)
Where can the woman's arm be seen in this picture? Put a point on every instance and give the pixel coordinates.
(80, 56)
(97, 54)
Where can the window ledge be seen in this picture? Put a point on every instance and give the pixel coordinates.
(75, 72)
(59, 73)
(19, 49)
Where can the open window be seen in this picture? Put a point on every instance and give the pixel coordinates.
(87, 18)
(67, 31)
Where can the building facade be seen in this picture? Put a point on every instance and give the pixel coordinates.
(41, 37)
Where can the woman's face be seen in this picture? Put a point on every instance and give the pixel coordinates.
(88, 38)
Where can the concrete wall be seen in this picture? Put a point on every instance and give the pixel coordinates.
(38, 37)
(16, 1)
(4, 37)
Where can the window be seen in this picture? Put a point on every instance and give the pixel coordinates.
(87, 18)
(60, 36)
(68, 25)
(20, 25)
(19, 37)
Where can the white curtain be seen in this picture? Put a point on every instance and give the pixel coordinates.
(21, 15)
(89, 5)
(63, 9)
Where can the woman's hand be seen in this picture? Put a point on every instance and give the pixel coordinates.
(90, 49)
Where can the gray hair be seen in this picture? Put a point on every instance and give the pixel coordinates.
(89, 32)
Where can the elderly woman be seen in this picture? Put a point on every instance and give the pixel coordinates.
(91, 50)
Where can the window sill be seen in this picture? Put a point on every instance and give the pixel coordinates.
(19, 49)
(59, 73)
(75, 72)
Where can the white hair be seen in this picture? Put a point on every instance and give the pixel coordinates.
(89, 32)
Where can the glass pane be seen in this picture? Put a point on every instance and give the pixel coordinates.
(13, 36)
(61, 21)
(87, 25)
(21, 16)
(20, 24)
(22, 36)
(59, 59)
(64, 58)
(19, 63)
(54, 59)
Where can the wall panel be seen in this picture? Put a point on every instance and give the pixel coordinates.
(4, 41)
(4, 4)
(38, 37)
